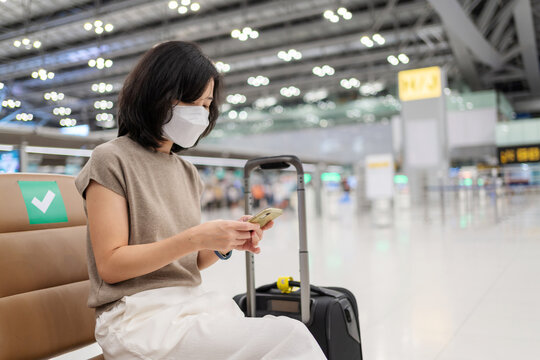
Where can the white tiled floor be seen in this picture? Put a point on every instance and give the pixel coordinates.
(466, 289)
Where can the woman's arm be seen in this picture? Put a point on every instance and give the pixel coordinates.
(206, 259)
(109, 232)
(117, 261)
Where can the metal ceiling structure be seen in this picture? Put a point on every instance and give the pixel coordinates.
(483, 44)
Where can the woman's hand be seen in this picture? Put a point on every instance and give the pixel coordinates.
(224, 235)
(257, 236)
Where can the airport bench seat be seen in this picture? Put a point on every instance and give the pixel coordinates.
(43, 275)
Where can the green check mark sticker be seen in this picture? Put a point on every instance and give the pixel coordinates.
(44, 203)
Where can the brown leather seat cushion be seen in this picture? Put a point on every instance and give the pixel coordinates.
(43, 274)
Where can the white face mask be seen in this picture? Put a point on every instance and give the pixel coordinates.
(186, 125)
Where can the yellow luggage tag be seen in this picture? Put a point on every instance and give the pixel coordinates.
(283, 284)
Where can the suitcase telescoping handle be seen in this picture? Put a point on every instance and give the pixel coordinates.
(280, 162)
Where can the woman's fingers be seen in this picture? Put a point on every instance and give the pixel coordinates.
(244, 235)
(245, 218)
(268, 226)
(248, 246)
(239, 242)
(259, 233)
(246, 226)
(255, 240)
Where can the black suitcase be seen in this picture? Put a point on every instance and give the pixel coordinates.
(330, 313)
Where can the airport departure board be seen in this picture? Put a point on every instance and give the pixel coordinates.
(519, 154)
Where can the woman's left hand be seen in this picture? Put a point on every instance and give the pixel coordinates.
(256, 236)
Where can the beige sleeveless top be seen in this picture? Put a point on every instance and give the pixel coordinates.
(163, 197)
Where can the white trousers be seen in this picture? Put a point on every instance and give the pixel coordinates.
(189, 323)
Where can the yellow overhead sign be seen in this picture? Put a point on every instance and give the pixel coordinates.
(420, 84)
(374, 165)
(519, 154)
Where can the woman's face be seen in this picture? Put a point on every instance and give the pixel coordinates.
(205, 100)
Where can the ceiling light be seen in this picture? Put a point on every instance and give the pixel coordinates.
(289, 55)
(236, 99)
(53, 95)
(232, 114)
(103, 104)
(222, 67)
(332, 17)
(245, 34)
(27, 43)
(345, 83)
(258, 81)
(24, 117)
(265, 102)
(100, 63)
(371, 88)
(315, 95)
(62, 111)
(392, 60)
(378, 38)
(68, 122)
(403, 58)
(102, 87)
(98, 27)
(43, 74)
(289, 91)
(104, 117)
(350, 83)
(323, 71)
(184, 6)
(366, 41)
(10, 103)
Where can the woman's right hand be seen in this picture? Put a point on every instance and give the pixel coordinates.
(224, 235)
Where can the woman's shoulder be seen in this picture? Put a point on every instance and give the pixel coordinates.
(188, 165)
(113, 148)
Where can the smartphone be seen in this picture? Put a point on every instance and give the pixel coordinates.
(265, 216)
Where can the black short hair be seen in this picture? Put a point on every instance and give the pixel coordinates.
(173, 70)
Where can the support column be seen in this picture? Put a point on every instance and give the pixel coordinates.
(23, 157)
(423, 112)
(317, 186)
